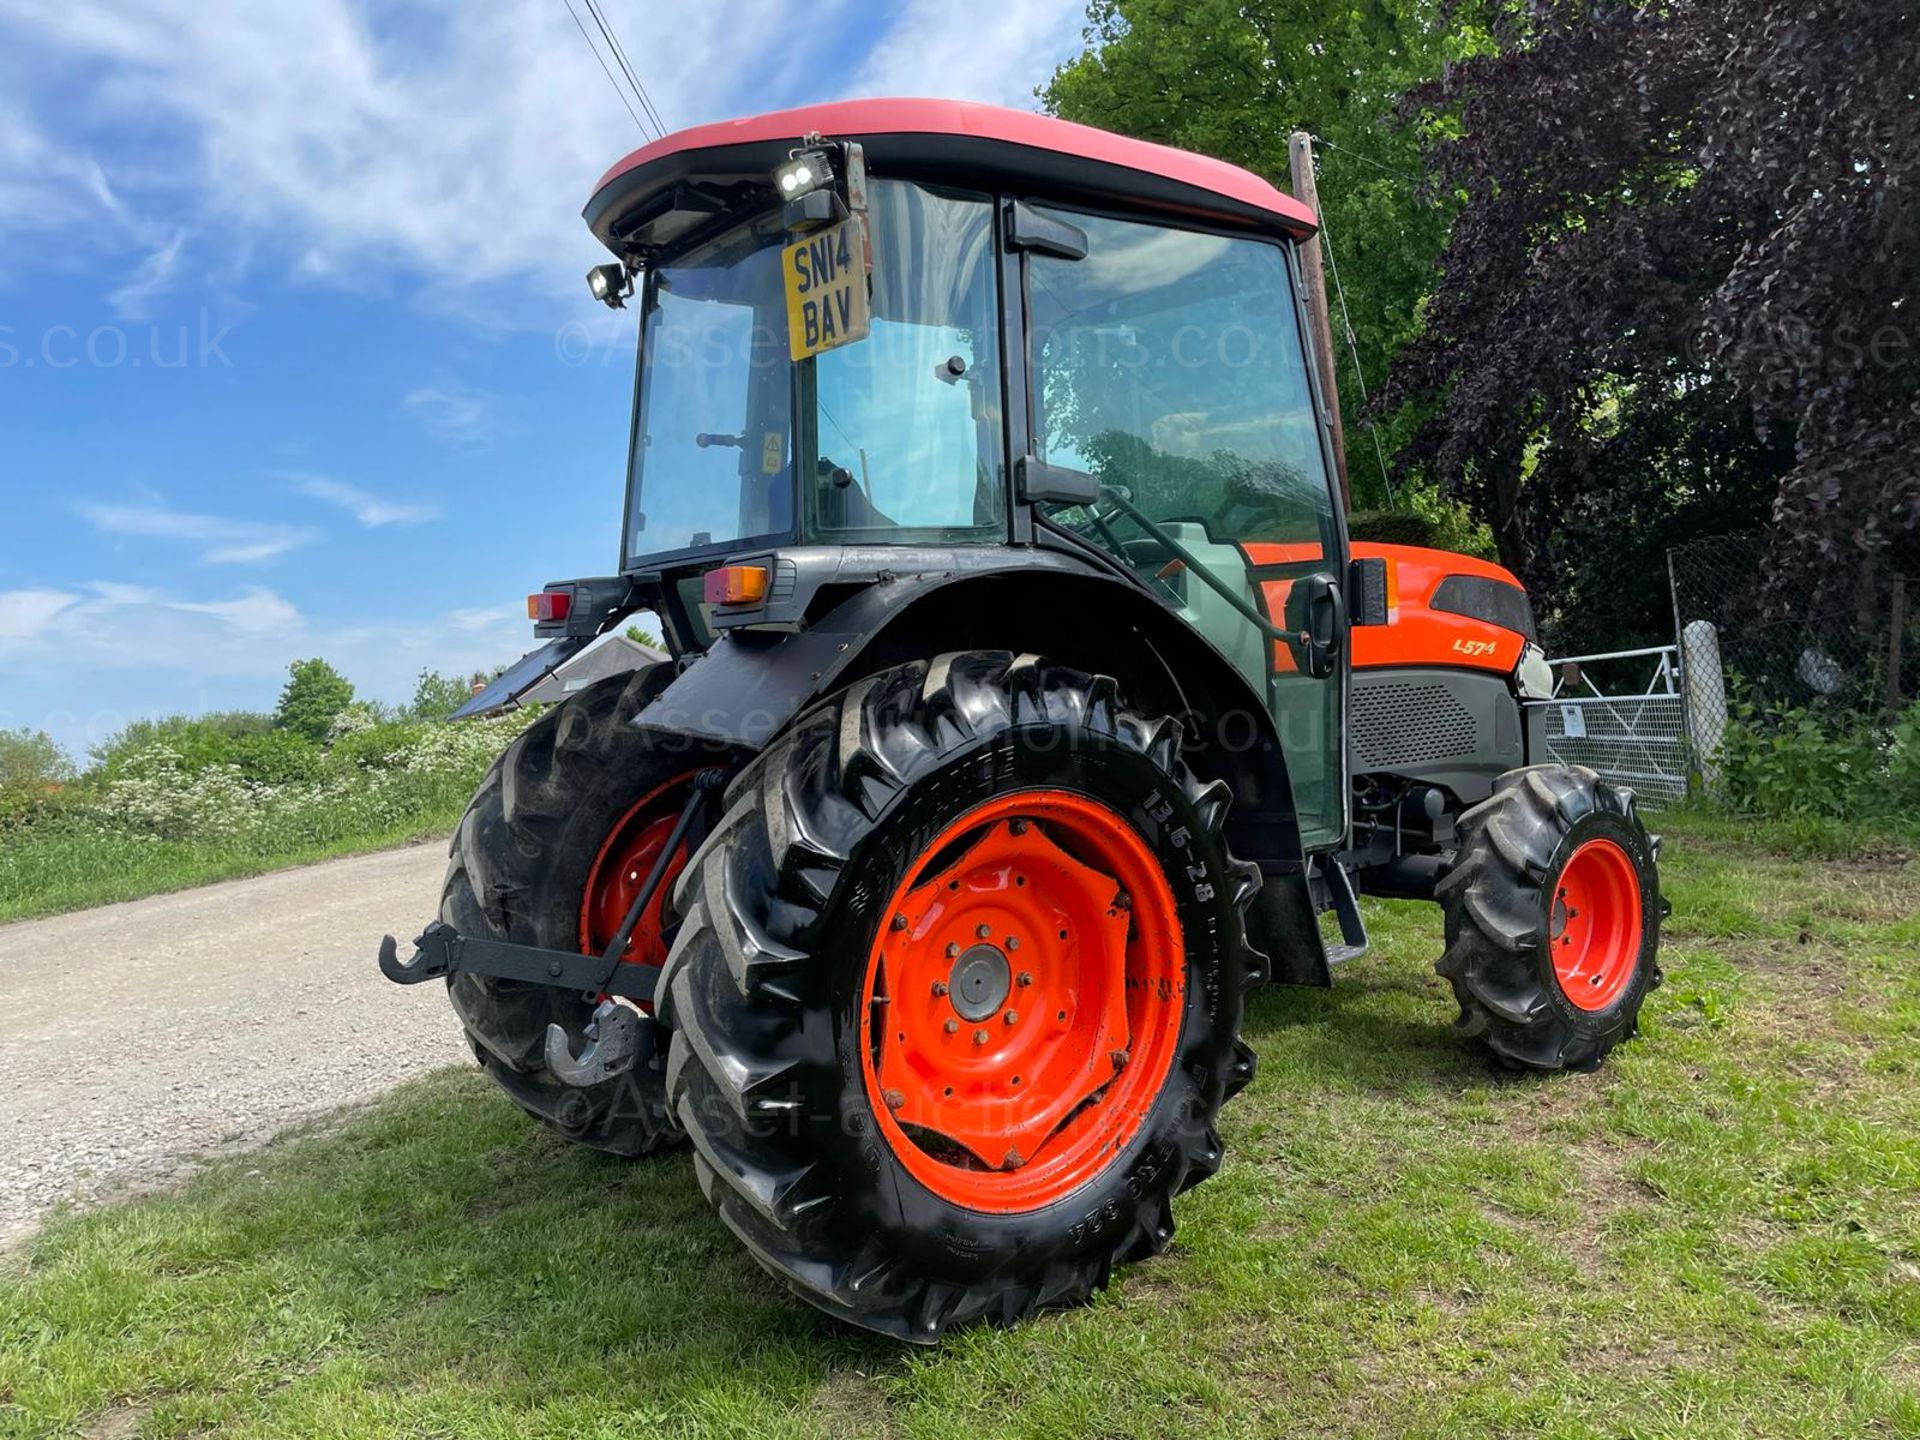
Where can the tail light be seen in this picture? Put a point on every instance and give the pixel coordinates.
(735, 585)
(550, 606)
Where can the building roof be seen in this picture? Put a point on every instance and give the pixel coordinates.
(965, 136)
(616, 655)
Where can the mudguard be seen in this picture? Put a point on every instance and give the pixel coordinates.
(751, 684)
(521, 676)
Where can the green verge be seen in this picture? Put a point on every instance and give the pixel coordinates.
(1717, 1235)
(56, 869)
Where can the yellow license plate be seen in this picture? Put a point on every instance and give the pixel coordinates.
(827, 303)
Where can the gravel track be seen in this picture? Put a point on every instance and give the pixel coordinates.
(136, 1038)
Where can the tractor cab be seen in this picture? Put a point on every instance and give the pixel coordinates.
(946, 328)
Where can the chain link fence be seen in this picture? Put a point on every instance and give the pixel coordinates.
(1840, 645)
(1655, 719)
(1843, 646)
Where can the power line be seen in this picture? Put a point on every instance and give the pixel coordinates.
(1353, 349)
(637, 122)
(1411, 179)
(620, 54)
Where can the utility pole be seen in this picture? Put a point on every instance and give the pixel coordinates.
(1300, 157)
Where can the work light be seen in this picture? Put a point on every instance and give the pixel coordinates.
(806, 172)
(610, 284)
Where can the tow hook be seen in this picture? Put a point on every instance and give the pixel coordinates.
(619, 1036)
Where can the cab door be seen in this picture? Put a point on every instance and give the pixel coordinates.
(1169, 370)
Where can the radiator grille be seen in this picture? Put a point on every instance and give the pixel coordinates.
(1400, 723)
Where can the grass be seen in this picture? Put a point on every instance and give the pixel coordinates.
(1717, 1235)
(52, 869)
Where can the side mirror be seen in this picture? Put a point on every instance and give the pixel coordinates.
(1054, 484)
(1028, 229)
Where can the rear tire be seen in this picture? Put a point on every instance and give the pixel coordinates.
(1549, 984)
(521, 861)
(769, 991)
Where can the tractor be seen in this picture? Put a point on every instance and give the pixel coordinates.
(1028, 706)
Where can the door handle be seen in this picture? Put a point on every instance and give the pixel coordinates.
(1322, 625)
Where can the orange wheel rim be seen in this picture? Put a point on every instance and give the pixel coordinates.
(1023, 1001)
(621, 867)
(1595, 927)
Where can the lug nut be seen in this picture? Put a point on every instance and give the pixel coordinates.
(953, 949)
(1012, 1017)
(979, 1037)
(951, 1026)
(939, 988)
(899, 922)
(1013, 942)
(984, 931)
(1025, 977)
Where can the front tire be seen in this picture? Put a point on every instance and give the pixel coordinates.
(1552, 918)
(821, 976)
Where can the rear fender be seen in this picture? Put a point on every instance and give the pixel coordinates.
(750, 685)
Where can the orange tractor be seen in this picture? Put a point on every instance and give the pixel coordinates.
(1028, 707)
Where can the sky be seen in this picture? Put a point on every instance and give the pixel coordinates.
(296, 356)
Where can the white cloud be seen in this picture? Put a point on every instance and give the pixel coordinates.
(257, 612)
(83, 662)
(112, 625)
(222, 541)
(456, 415)
(44, 185)
(453, 140)
(479, 621)
(457, 138)
(995, 53)
(25, 614)
(369, 509)
(134, 300)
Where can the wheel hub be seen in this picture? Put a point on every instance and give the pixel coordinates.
(1024, 1000)
(625, 859)
(1594, 924)
(981, 979)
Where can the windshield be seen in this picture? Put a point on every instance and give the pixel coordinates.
(895, 436)
(711, 441)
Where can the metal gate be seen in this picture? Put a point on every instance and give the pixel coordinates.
(1623, 714)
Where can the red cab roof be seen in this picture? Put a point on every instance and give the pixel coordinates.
(1242, 190)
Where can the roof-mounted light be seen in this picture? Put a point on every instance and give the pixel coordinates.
(610, 284)
(804, 173)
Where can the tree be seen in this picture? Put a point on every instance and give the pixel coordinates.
(437, 696)
(1679, 293)
(31, 763)
(314, 696)
(1234, 78)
